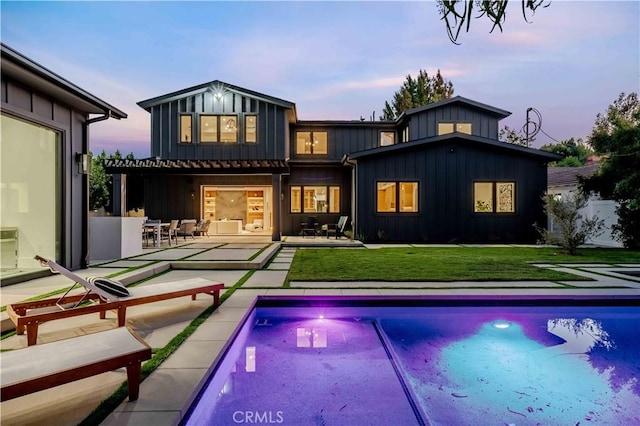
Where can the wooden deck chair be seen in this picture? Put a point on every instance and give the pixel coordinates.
(102, 295)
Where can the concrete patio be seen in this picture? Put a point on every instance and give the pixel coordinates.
(264, 266)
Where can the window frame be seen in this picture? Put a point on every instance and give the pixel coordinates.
(454, 125)
(255, 128)
(397, 203)
(494, 200)
(301, 208)
(219, 132)
(217, 126)
(382, 133)
(180, 128)
(311, 138)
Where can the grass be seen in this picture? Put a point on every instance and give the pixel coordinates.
(444, 264)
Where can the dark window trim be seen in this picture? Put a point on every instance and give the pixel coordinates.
(219, 128)
(327, 186)
(311, 132)
(244, 128)
(397, 182)
(494, 188)
(395, 137)
(185, 114)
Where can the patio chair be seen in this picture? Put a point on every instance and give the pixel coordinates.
(202, 228)
(337, 229)
(149, 230)
(186, 228)
(102, 295)
(310, 227)
(171, 232)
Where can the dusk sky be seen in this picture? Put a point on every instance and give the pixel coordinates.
(334, 60)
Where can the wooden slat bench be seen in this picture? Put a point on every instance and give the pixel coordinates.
(36, 368)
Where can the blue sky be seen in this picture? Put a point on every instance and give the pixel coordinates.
(334, 60)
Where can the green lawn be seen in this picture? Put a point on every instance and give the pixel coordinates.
(444, 264)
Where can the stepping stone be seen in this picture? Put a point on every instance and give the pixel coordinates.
(266, 279)
(225, 254)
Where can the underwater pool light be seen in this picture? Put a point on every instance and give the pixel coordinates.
(501, 325)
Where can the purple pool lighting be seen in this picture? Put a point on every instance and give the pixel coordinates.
(440, 361)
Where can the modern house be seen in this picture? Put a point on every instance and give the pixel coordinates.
(438, 173)
(44, 165)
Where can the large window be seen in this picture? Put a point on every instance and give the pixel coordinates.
(394, 197)
(490, 197)
(315, 199)
(218, 128)
(387, 138)
(30, 197)
(250, 128)
(186, 128)
(446, 128)
(311, 142)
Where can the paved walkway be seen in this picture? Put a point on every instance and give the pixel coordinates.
(165, 392)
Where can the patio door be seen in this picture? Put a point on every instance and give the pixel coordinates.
(232, 202)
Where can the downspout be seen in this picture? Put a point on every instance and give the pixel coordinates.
(354, 203)
(84, 249)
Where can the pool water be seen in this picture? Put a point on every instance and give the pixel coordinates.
(438, 362)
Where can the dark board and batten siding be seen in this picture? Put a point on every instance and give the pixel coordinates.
(271, 132)
(424, 124)
(446, 173)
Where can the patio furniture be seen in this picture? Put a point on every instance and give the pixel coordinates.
(36, 368)
(310, 227)
(170, 232)
(232, 226)
(202, 228)
(337, 229)
(186, 228)
(27, 316)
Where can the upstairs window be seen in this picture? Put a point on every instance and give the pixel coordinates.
(186, 128)
(387, 138)
(250, 128)
(218, 128)
(311, 142)
(405, 134)
(494, 197)
(446, 128)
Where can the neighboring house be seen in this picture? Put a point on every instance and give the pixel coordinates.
(564, 181)
(45, 122)
(436, 174)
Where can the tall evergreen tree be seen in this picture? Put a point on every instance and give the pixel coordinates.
(416, 92)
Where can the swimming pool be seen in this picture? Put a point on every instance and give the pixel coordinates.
(443, 361)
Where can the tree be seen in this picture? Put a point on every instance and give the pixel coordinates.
(576, 152)
(458, 13)
(509, 135)
(100, 183)
(616, 136)
(416, 92)
(570, 229)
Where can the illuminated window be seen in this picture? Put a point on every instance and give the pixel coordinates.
(405, 134)
(208, 128)
(186, 135)
(489, 197)
(334, 192)
(386, 197)
(393, 197)
(446, 128)
(228, 128)
(311, 142)
(387, 138)
(315, 199)
(295, 200)
(250, 126)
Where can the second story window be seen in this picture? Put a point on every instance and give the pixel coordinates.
(446, 128)
(387, 138)
(311, 142)
(405, 134)
(250, 128)
(186, 128)
(218, 128)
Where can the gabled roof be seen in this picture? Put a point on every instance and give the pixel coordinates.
(568, 176)
(32, 74)
(499, 113)
(546, 156)
(212, 86)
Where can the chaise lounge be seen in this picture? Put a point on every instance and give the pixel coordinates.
(104, 295)
(36, 368)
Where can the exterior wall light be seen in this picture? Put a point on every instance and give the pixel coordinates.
(84, 163)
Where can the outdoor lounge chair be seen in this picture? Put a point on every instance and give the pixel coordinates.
(310, 227)
(337, 229)
(105, 294)
(187, 227)
(36, 368)
(202, 228)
